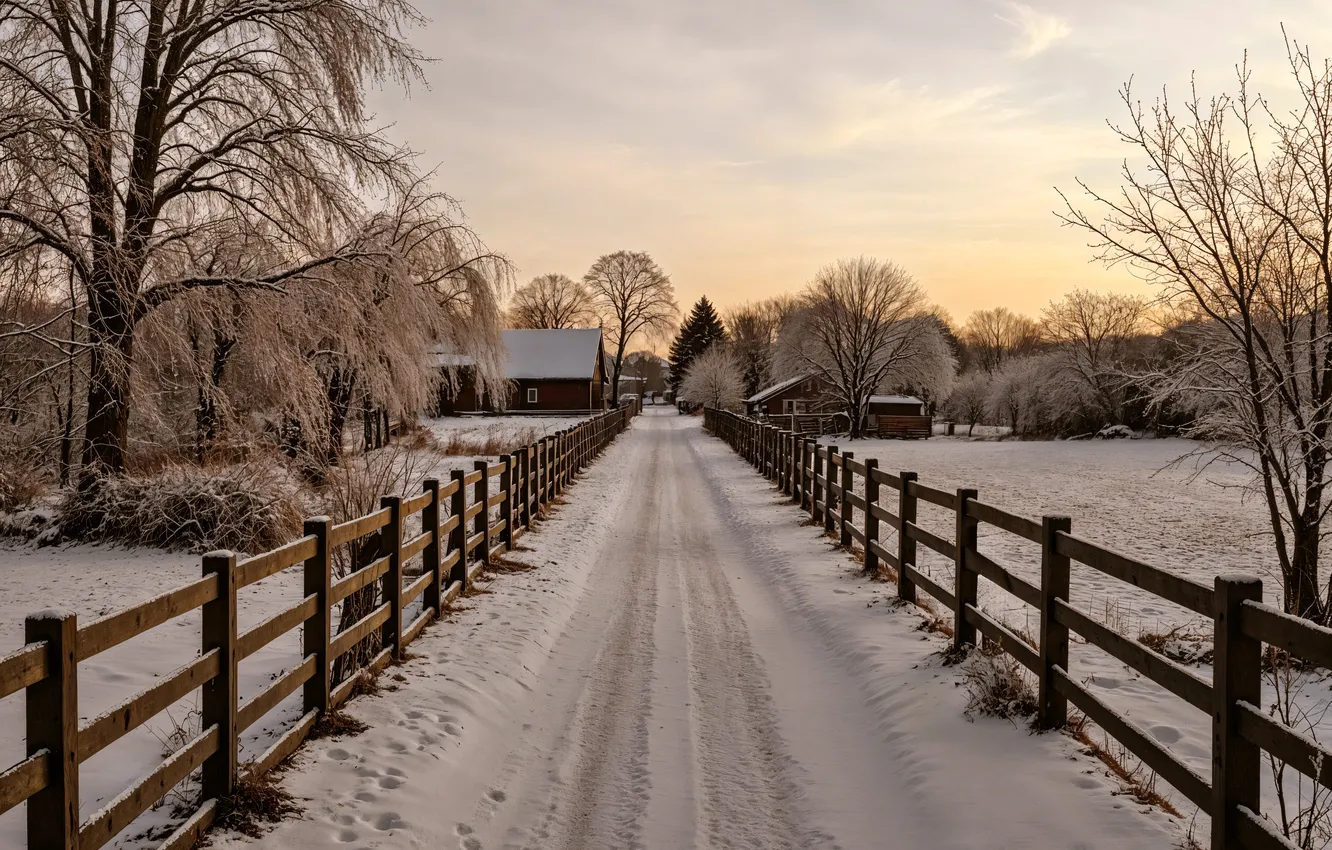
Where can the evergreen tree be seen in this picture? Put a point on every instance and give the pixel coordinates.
(700, 330)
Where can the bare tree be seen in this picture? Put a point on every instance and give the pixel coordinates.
(129, 132)
(647, 367)
(552, 301)
(1094, 331)
(754, 328)
(1230, 214)
(864, 326)
(970, 399)
(635, 298)
(991, 336)
(714, 379)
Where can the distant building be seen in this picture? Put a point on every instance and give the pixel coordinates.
(545, 370)
(800, 394)
(804, 395)
(556, 369)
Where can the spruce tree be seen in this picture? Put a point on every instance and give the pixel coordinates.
(701, 329)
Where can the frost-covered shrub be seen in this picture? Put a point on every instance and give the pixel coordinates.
(249, 507)
(21, 480)
(997, 686)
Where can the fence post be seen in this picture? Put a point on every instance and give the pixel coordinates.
(525, 487)
(316, 633)
(1236, 677)
(430, 556)
(906, 546)
(1051, 706)
(787, 461)
(844, 515)
(390, 544)
(458, 534)
(52, 724)
(965, 581)
(506, 512)
(798, 469)
(829, 485)
(814, 514)
(480, 496)
(218, 695)
(871, 521)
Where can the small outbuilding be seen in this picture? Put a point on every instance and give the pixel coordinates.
(555, 369)
(898, 416)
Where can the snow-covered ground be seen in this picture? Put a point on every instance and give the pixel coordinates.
(689, 666)
(94, 580)
(1130, 496)
(471, 434)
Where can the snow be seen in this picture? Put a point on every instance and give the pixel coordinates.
(569, 353)
(702, 671)
(1148, 498)
(505, 433)
(94, 580)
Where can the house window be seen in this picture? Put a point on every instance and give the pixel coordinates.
(531, 395)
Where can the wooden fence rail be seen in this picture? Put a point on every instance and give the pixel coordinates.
(823, 481)
(45, 670)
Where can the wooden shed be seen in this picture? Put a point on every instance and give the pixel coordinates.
(901, 416)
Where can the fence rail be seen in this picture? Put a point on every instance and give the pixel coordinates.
(45, 671)
(821, 479)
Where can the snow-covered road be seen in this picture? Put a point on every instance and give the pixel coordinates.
(689, 667)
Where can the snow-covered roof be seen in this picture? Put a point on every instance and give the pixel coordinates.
(445, 358)
(769, 392)
(894, 399)
(552, 353)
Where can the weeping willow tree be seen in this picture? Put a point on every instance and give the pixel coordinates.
(132, 131)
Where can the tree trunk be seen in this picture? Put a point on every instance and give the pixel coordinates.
(338, 390)
(107, 430)
(1301, 582)
(206, 415)
(971, 426)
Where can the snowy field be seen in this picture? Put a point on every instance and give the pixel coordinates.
(94, 580)
(1130, 496)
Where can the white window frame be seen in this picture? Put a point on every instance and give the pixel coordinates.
(532, 395)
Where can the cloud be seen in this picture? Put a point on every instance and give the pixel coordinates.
(1037, 30)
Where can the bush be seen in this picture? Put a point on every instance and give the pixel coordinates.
(997, 686)
(21, 480)
(249, 507)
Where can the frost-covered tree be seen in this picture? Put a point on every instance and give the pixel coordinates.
(969, 401)
(863, 326)
(635, 299)
(131, 132)
(1095, 332)
(552, 301)
(1227, 211)
(715, 379)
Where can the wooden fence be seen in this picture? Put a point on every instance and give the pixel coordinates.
(823, 480)
(455, 542)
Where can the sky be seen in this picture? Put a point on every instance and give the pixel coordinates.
(745, 144)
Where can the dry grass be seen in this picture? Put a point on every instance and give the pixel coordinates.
(997, 686)
(509, 564)
(257, 800)
(336, 724)
(1136, 780)
(1179, 645)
